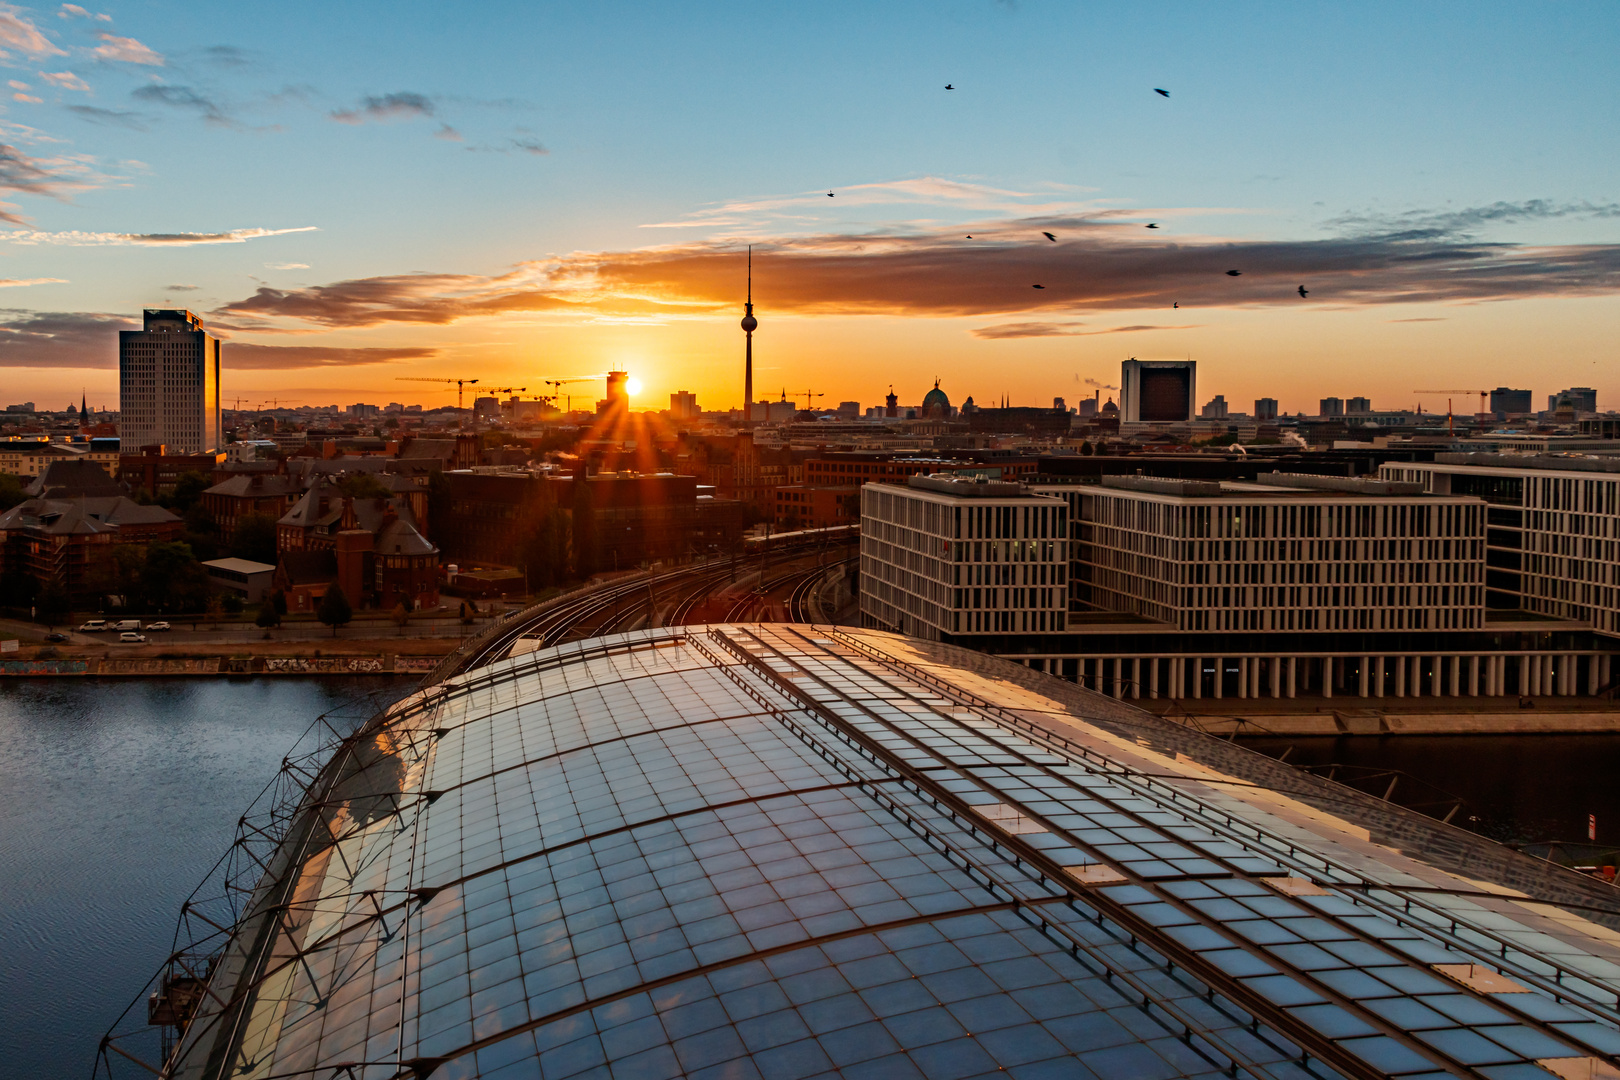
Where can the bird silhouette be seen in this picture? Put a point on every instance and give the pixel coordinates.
(1176, 305)
(1161, 93)
(829, 194)
(1040, 286)
(1303, 291)
(1234, 273)
(970, 236)
(1151, 225)
(1050, 237)
(948, 86)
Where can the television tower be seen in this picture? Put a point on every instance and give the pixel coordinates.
(748, 325)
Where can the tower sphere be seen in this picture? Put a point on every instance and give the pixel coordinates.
(749, 323)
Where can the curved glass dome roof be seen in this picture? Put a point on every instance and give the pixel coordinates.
(786, 852)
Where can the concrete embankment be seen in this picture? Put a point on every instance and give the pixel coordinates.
(1438, 716)
(224, 665)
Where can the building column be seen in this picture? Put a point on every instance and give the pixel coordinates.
(1604, 668)
(1293, 665)
(1399, 663)
(1255, 666)
(1524, 676)
(1275, 676)
(1456, 676)
(1566, 684)
(1435, 677)
(1591, 676)
(1365, 661)
(1378, 676)
(1119, 677)
(1197, 663)
(1136, 678)
(1473, 676)
(1220, 676)
(1153, 677)
(1243, 676)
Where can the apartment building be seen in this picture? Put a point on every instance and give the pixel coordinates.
(168, 374)
(943, 557)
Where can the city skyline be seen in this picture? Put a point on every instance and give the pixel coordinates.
(1441, 186)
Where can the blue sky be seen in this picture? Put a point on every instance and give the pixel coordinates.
(466, 144)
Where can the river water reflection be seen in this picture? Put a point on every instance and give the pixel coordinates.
(115, 799)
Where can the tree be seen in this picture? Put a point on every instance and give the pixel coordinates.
(255, 538)
(52, 604)
(1086, 449)
(172, 579)
(11, 491)
(334, 610)
(188, 490)
(363, 486)
(268, 615)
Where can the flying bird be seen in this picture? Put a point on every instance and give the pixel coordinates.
(1234, 273)
(970, 236)
(1176, 305)
(1161, 93)
(1303, 291)
(1050, 237)
(948, 86)
(1040, 286)
(829, 194)
(1151, 225)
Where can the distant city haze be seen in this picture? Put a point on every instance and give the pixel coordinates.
(1412, 200)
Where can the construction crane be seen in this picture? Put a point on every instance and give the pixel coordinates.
(809, 399)
(1483, 394)
(460, 384)
(555, 384)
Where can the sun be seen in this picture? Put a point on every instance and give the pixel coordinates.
(633, 387)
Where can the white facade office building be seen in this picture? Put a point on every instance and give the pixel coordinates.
(947, 557)
(1553, 544)
(168, 376)
(1290, 553)
(1158, 391)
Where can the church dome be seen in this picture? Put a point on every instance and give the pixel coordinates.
(935, 402)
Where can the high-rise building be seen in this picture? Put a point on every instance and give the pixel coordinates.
(486, 408)
(1506, 403)
(168, 378)
(849, 410)
(1583, 399)
(683, 405)
(617, 402)
(1265, 408)
(1357, 406)
(1330, 406)
(1215, 409)
(1158, 391)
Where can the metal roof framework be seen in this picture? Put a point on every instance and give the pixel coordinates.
(882, 814)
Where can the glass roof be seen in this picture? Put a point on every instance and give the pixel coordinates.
(776, 852)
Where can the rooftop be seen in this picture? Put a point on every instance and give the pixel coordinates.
(783, 851)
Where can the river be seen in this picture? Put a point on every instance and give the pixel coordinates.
(115, 799)
(117, 796)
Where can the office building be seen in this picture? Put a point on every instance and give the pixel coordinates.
(1553, 545)
(1583, 399)
(168, 375)
(683, 406)
(1330, 406)
(1506, 403)
(1289, 553)
(1265, 408)
(617, 403)
(1357, 406)
(1158, 391)
(486, 409)
(950, 556)
(766, 851)
(1214, 409)
(850, 410)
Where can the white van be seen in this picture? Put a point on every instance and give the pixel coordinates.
(93, 626)
(127, 624)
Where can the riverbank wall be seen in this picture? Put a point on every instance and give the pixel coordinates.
(1461, 716)
(380, 664)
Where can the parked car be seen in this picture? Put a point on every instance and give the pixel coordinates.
(130, 637)
(93, 626)
(55, 638)
(158, 626)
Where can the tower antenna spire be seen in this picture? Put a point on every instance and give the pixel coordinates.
(748, 325)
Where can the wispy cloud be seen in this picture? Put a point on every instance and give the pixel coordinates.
(447, 133)
(1465, 222)
(65, 80)
(1099, 265)
(1414, 320)
(125, 50)
(55, 177)
(59, 339)
(1046, 329)
(13, 283)
(287, 266)
(74, 11)
(187, 98)
(181, 288)
(240, 355)
(19, 33)
(95, 114)
(403, 105)
(30, 237)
